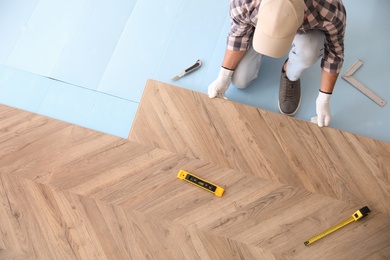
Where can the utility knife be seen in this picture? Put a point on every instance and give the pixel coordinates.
(194, 67)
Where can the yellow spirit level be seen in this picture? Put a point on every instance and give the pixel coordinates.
(206, 185)
(361, 213)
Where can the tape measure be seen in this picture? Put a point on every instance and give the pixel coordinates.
(361, 213)
(201, 183)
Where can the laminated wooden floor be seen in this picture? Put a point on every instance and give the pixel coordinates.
(67, 192)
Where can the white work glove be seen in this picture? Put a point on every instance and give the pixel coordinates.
(323, 110)
(221, 84)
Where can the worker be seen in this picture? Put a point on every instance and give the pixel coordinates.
(310, 29)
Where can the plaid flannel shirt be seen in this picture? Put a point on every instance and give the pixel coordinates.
(328, 16)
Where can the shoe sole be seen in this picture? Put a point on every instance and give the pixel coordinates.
(291, 114)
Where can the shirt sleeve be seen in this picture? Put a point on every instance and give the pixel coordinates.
(334, 42)
(241, 29)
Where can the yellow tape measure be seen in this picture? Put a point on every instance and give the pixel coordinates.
(361, 213)
(201, 183)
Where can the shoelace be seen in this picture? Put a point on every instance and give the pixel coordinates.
(289, 91)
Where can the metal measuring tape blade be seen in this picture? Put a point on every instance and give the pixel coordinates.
(358, 85)
(361, 213)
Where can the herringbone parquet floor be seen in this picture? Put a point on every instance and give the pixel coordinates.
(67, 192)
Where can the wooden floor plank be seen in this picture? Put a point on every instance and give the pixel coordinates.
(6, 254)
(60, 225)
(275, 220)
(291, 151)
(265, 220)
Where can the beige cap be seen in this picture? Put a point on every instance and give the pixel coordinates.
(278, 22)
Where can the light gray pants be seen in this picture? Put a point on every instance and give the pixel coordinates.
(307, 49)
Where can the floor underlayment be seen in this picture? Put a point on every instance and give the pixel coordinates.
(86, 62)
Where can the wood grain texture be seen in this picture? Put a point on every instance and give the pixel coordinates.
(326, 161)
(67, 192)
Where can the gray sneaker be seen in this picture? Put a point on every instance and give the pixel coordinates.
(289, 95)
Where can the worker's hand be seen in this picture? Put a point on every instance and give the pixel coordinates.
(323, 110)
(221, 84)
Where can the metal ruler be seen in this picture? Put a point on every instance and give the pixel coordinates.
(358, 85)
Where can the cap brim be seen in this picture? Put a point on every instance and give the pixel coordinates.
(273, 47)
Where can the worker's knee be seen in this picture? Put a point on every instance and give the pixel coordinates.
(308, 48)
(243, 81)
(240, 83)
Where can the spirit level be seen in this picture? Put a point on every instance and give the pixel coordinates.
(361, 213)
(201, 183)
